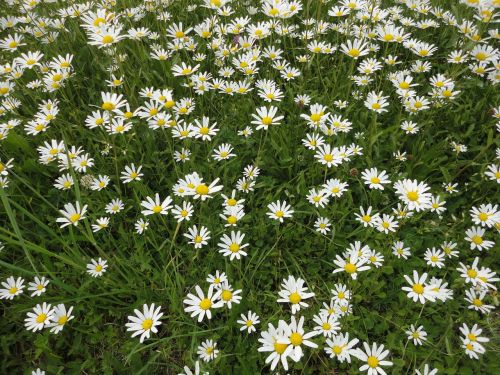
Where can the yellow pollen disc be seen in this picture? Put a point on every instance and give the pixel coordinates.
(98, 268)
(483, 216)
(418, 288)
(205, 304)
(226, 295)
(477, 240)
(62, 320)
(108, 106)
(147, 324)
(279, 213)
(477, 302)
(107, 39)
(375, 180)
(39, 287)
(295, 298)
(337, 349)
(202, 189)
(267, 120)
(328, 157)
(376, 106)
(157, 209)
(350, 268)
(326, 326)
(13, 290)
(204, 130)
(41, 318)
(280, 348)
(372, 361)
(315, 117)
(74, 218)
(234, 247)
(296, 339)
(412, 195)
(232, 220)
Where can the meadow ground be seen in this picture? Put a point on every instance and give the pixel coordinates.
(249, 187)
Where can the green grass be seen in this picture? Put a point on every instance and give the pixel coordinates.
(161, 267)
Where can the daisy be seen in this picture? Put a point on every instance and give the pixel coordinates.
(207, 350)
(144, 322)
(341, 348)
(131, 173)
(298, 337)
(228, 295)
(352, 264)
(184, 70)
(413, 194)
(11, 288)
(475, 235)
(274, 341)
(97, 268)
(279, 210)
(248, 322)
(204, 130)
(335, 187)
(386, 223)
(59, 318)
(366, 217)
(328, 156)
(223, 152)
(294, 292)
(318, 198)
(203, 191)
(266, 117)
(102, 223)
(196, 237)
(419, 291)
(184, 212)
(434, 258)
(141, 225)
(485, 215)
(427, 371)
(400, 251)
(326, 325)
(476, 300)
(375, 179)
(112, 102)
(39, 318)
(232, 246)
(217, 279)
(156, 206)
(374, 358)
(376, 102)
(418, 335)
(200, 305)
(38, 286)
(322, 225)
(72, 214)
(115, 206)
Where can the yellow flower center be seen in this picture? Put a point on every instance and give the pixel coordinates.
(372, 361)
(337, 349)
(41, 318)
(477, 240)
(326, 326)
(75, 217)
(205, 304)
(157, 209)
(227, 295)
(418, 288)
(98, 268)
(280, 348)
(267, 120)
(108, 106)
(376, 106)
(107, 39)
(202, 189)
(13, 290)
(147, 324)
(315, 117)
(234, 247)
(350, 268)
(295, 298)
(412, 195)
(375, 180)
(232, 220)
(477, 302)
(354, 52)
(62, 320)
(472, 273)
(296, 339)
